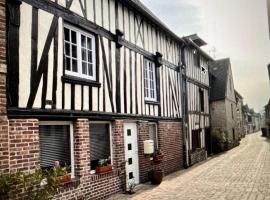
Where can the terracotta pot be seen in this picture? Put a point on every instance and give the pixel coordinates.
(104, 169)
(156, 176)
(64, 179)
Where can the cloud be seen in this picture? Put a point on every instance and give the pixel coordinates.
(237, 29)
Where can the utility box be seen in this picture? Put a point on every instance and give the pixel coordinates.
(148, 146)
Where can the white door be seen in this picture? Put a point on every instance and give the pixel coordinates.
(131, 153)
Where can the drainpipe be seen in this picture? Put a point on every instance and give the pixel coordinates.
(185, 123)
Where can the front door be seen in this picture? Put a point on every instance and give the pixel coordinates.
(131, 153)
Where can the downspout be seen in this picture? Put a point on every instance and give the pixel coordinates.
(185, 124)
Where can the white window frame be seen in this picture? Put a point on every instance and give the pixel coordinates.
(64, 123)
(152, 123)
(110, 134)
(79, 74)
(146, 64)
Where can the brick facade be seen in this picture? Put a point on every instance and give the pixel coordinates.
(170, 141)
(24, 155)
(4, 159)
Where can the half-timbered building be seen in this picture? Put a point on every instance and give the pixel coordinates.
(89, 80)
(197, 100)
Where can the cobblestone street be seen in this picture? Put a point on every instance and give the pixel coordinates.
(241, 173)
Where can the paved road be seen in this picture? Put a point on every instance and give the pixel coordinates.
(241, 173)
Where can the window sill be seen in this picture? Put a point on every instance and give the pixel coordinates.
(152, 102)
(96, 176)
(78, 80)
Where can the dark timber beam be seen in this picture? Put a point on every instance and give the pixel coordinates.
(13, 35)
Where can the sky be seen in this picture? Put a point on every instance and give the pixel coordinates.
(232, 28)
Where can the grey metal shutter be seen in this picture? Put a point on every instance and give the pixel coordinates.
(54, 143)
(100, 141)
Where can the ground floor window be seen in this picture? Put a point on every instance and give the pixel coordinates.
(56, 145)
(196, 139)
(100, 144)
(153, 134)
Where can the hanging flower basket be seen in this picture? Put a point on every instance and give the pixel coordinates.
(158, 158)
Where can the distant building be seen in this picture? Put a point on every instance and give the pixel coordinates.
(239, 115)
(252, 120)
(223, 101)
(267, 118)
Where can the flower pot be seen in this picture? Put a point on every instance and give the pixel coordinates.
(158, 158)
(156, 176)
(104, 169)
(64, 179)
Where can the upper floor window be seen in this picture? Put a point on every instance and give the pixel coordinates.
(149, 80)
(79, 53)
(232, 111)
(201, 93)
(196, 58)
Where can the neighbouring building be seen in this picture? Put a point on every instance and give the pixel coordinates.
(239, 115)
(267, 119)
(223, 102)
(197, 98)
(89, 80)
(252, 120)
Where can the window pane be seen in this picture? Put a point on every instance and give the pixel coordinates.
(90, 56)
(74, 51)
(83, 54)
(68, 64)
(67, 49)
(73, 37)
(66, 34)
(83, 39)
(99, 143)
(90, 69)
(54, 145)
(74, 65)
(84, 68)
(89, 43)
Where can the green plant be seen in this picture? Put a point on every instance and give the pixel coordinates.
(104, 162)
(39, 185)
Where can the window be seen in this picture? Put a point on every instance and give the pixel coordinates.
(153, 134)
(149, 80)
(79, 53)
(201, 93)
(56, 144)
(100, 143)
(196, 139)
(196, 58)
(232, 110)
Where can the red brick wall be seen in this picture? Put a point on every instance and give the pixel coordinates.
(4, 158)
(95, 186)
(2, 31)
(170, 141)
(23, 144)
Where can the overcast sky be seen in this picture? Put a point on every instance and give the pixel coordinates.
(232, 28)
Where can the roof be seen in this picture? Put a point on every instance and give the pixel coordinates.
(219, 71)
(196, 39)
(237, 94)
(140, 7)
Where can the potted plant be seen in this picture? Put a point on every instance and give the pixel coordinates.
(104, 166)
(61, 173)
(158, 156)
(156, 176)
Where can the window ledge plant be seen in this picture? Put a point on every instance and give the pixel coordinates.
(104, 166)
